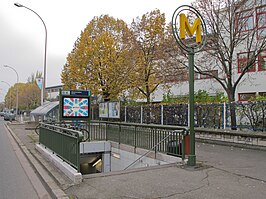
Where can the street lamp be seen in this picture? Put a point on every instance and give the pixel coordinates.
(9, 93)
(45, 49)
(16, 86)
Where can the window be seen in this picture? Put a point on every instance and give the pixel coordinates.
(196, 76)
(213, 72)
(245, 59)
(245, 21)
(260, 2)
(262, 94)
(261, 21)
(262, 61)
(246, 96)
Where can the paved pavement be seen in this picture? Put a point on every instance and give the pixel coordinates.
(14, 181)
(224, 172)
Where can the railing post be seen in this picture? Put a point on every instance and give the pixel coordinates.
(141, 114)
(161, 114)
(125, 114)
(78, 153)
(188, 115)
(156, 141)
(106, 132)
(224, 115)
(135, 139)
(92, 113)
(183, 145)
(119, 134)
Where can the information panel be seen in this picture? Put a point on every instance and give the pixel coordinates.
(109, 110)
(74, 105)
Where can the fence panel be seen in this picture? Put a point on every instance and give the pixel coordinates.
(209, 115)
(250, 115)
(133, 114)
(151, 114)
(175, 115)
(64, 142)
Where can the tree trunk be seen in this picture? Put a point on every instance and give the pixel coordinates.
(231, 98)
(233, 116)
(106, 96)
(148, 97)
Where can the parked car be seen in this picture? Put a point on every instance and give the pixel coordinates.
(2, 114)
(9, 116)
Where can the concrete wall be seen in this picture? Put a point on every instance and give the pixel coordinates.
(116, 157)
(123, 155)
(98, 147)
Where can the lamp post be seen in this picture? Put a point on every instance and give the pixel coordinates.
(45, 49)
(16, 86)
(9, 92)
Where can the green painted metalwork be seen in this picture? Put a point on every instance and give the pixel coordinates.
(62, 141)
(191, 48)
(145, 136)
(158, 138)
(192, 156)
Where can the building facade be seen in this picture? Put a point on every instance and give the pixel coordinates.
(248, 56)
(52, 92)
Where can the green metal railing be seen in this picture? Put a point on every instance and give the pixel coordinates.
(159, 138)
(62, 141)
(146, 136)
(154, 147)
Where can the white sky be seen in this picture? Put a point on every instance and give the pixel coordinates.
(22, 32)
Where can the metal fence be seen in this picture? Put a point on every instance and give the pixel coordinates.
(64, 142)
(161, 138)
(251, 115)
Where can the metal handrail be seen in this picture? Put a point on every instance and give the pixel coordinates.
(158, 126)
(176, 131)
(77, 133)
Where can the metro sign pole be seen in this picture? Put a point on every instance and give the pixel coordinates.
(183, 32)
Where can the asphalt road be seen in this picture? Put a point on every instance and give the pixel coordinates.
(16, 175)
(244, 162)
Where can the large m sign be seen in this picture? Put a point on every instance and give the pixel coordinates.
(185, 27)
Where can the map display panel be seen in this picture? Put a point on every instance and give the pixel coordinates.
(75, 107)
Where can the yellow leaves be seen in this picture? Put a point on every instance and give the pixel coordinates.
(28, 93)
(148, 51)
(98, 57)
(109, 58)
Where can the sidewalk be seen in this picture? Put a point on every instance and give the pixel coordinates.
(169, 182)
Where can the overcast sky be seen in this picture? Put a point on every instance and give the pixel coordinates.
(22, 32)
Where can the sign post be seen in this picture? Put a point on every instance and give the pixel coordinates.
(180, 28)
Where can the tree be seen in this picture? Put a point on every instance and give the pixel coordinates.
(29, 94)
(100, 60)
(231, 32)
(149, 37)
(30, 98)
(33, 77)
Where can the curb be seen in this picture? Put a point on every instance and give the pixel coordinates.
(49, 184)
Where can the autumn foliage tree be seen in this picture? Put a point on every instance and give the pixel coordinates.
(100, 60)
(148, 51)
(30, 98)
(29, 94)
